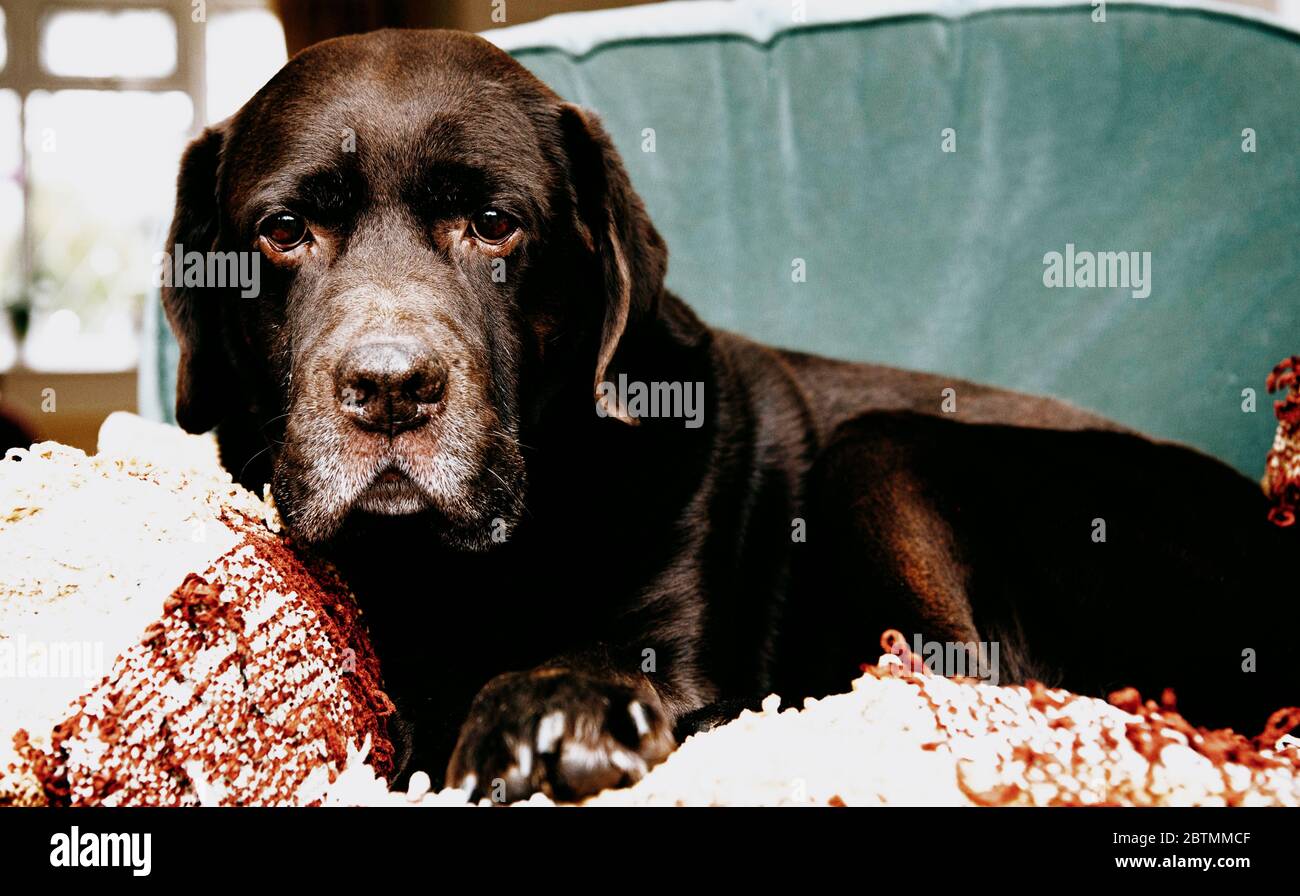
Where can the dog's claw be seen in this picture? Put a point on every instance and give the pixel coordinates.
(565, 735)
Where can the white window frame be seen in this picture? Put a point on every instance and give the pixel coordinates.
(23, 74)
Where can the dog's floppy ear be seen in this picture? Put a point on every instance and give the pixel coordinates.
(632, 255)
(203, 373)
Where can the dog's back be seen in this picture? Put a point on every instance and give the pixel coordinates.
(1094, 560)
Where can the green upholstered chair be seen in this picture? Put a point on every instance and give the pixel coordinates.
(765, 147)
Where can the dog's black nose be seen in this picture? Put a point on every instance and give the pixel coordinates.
(389, 386)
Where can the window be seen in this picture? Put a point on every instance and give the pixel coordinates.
(95, 43)
(97, 101)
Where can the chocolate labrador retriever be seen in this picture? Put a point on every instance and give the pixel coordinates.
(465, 382)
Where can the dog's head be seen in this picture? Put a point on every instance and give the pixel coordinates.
(445, 249)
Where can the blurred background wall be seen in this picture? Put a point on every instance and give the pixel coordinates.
(309, 21)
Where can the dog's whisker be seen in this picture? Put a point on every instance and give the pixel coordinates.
(504, 485)
(244, 468)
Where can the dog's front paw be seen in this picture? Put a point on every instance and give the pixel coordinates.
(564, 734)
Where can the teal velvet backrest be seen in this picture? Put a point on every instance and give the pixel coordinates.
(887, 188)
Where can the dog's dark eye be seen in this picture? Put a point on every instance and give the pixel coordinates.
(284, 231)
(492, 225)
